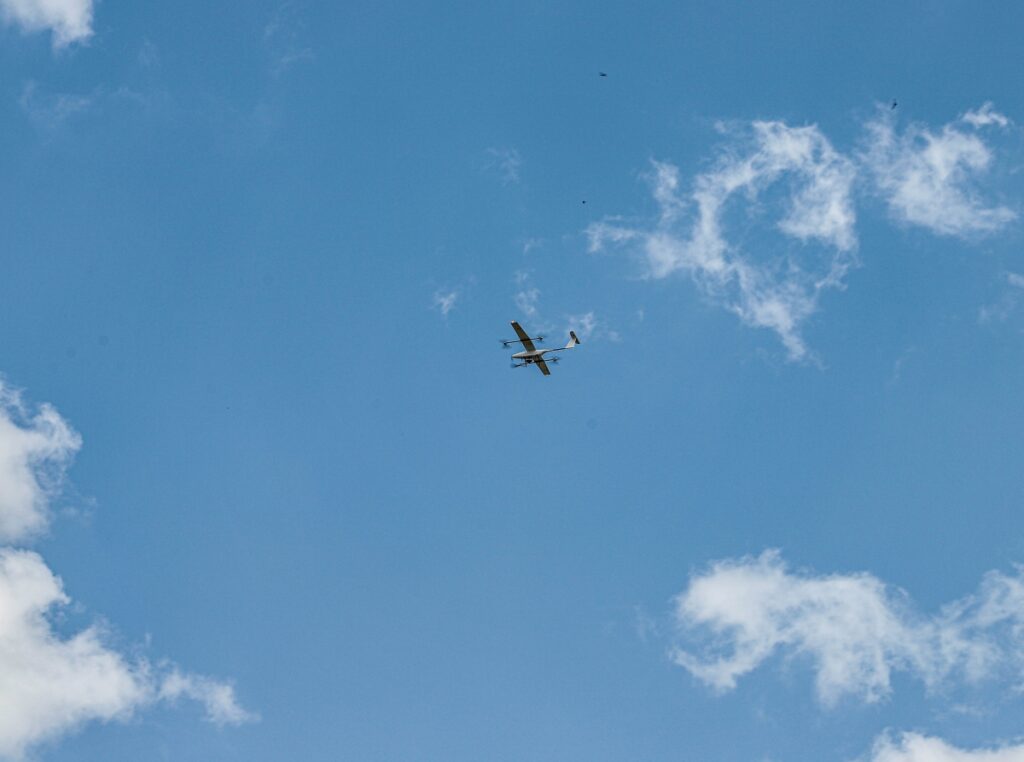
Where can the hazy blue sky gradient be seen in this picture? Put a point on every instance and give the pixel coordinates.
(226, 230)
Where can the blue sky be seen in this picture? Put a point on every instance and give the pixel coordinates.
(270, 490)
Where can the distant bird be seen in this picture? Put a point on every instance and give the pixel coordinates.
(894, 105)
(601, 74)
(584, 201)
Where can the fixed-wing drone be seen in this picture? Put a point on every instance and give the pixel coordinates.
(530, 354)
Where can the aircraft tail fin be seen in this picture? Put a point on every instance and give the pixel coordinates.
(573, 340)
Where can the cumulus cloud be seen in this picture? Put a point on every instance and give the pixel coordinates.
(765, 288)
(35, 449)
(853, 629)
(68, 20)
(929, 178)
(913, 747)
(51, 684)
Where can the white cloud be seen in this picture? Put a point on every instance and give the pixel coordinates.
(600, 234)
(765, 289)
(506, 162)
(69, 20)
(854, 630)
(283, 36)
(588, 325)
(217, 698)
(51, 684)
(584, 324)
(35, 449)
(445, 300)
(985, 117)
(527, 296)
(927, 177)
(532, 243)
(526, 301)
(913, 747)
(47, 685)
(1003, 307)
(49, 111)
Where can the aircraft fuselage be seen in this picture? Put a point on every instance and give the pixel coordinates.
(530, 355)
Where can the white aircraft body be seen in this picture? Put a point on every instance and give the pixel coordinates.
(533, 356)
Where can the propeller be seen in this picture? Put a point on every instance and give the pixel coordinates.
(509, 342)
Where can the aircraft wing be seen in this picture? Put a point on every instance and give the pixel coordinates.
(524, 337)
(539, 362)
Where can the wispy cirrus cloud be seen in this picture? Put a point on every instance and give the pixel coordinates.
(586, 324)
(527, 295)
(217, 697)
(69, 21)
(48, 111)
(986, 116)
(929, 177)
(505, 162)
(52, 683)
(283, 36)
(855, 630)
(763, 287)
(1005, 305)
(444, 300)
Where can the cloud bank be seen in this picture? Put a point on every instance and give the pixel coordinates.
(854, 630)
(68, 20)
(51, 684)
